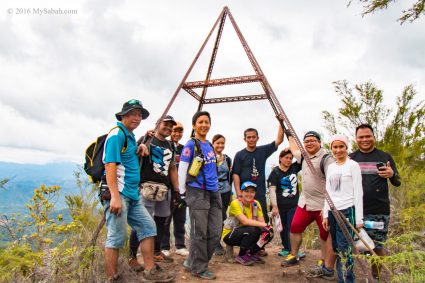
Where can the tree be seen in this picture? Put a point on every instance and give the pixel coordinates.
(411, 14)
(402, 134)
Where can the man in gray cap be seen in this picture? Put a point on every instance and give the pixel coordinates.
(123, 176)
(157, 168)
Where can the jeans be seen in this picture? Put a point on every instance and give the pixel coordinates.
(342, 247)
(135, 214)
(205, 226)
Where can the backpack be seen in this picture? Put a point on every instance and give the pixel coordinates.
(322, 163)
(94, 166)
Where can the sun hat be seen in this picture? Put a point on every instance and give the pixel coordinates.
(130, 105)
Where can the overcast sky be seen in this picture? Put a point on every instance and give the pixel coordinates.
(63, 77)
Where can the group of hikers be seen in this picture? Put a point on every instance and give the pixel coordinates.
(153, 179)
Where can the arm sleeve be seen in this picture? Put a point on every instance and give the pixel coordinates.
(183, 167)
(358, 192)
(298, 156)
(395, 179)
(271, 183)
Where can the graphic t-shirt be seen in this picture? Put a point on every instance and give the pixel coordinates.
(251, 166)
(177, 152)
(235, 209)
(207, 177)
(286, 183)
(375, 188)
(128, 173)
(155, 166)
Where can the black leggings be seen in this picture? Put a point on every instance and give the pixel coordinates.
(245, 237)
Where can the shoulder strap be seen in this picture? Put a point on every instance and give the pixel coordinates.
(322, 163)
(125, 138)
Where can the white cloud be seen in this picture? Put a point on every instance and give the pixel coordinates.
(65, 76)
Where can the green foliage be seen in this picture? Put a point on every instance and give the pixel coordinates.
(411, 14)
(403, 136)
(45, 247)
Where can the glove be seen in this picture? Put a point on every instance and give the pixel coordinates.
(182, 202)
(288, 133)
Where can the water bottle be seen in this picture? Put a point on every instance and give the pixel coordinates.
(195, 166)
(377, 225)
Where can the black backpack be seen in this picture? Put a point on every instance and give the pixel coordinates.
(94, 166)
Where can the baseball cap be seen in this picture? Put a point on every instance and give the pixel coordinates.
(248, 184)
(169, 118)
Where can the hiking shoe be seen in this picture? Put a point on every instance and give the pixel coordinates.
(283, 253)
(160, 257)
(186, 265)
(244, 260)
(320, 271)
(157, 275)
(301, 255)
(219, 251)
(135, 265)
(257, 259)
(208, 275)
(182, 252)
(115, 279)
(166, 253)
(290, 260)
(262, 253)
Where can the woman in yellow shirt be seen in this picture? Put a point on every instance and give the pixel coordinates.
(245, 227)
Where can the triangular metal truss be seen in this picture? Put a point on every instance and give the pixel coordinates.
(259, 76)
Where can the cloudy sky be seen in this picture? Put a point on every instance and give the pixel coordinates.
(63, 77)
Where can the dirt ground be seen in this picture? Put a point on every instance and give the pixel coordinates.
(226, 271)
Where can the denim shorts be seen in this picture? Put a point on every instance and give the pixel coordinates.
(135, 214)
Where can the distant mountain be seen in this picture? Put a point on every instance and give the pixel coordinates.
(26, 177)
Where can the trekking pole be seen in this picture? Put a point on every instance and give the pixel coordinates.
(368, 247)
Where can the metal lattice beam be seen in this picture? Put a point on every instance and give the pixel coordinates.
(222, 81)
(235, 98)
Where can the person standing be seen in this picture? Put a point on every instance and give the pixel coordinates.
(378, 167)
(310, 206)
(178, 214)
(198, 185)
(225, 178)
(284, 195)
(157, 168)
(344, 186)
(250, 164)
(125, 206)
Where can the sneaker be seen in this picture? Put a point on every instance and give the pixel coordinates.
(257, 259)
(208, 275)
(160, 257)
(244, 260)
(182, 252)
(157, 274)
(166, 253)
(283, 253)
(263, 253)
(290, 260)
(135, 265)
(219, 251)
(186, 264)
(320, 271)
(301, 254)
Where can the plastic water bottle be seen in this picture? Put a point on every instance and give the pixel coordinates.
(377, 225)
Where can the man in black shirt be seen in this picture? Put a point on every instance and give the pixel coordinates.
(377, 168)
(159, 167)
(250, 165)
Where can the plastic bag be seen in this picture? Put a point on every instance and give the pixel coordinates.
(361, 247)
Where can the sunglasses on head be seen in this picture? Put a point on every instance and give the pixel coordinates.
(134, 101)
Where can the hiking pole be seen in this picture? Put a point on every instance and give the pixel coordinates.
(368, 247)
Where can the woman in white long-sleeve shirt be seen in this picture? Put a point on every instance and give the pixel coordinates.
(344, 186)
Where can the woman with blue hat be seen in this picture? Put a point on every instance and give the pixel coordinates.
(245, 227)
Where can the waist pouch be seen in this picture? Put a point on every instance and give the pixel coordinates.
(154, 191)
